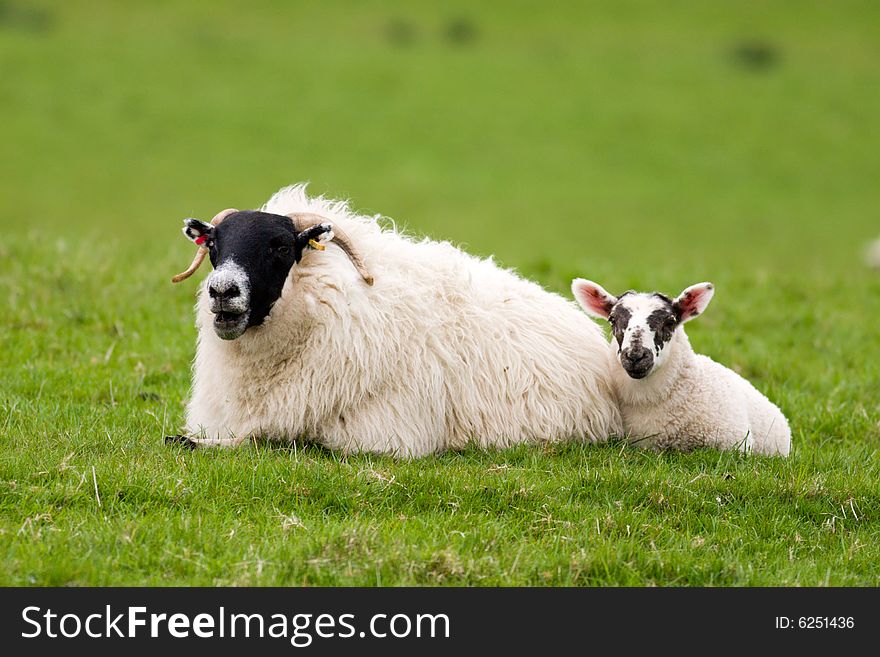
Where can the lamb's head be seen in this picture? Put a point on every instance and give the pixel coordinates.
(252, 253)
(643, 324)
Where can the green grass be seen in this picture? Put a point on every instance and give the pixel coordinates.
(623, 141)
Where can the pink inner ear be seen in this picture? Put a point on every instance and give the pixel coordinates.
(693, 302)
(688, 303)
(595, 300)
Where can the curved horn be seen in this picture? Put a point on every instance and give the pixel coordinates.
(304, 220)
(202, 252)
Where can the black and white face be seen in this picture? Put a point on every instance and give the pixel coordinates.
(643, 324)
(252, 253)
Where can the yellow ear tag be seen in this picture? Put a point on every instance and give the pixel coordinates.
(315, 244)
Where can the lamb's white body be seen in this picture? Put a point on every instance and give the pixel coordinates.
(692, 402)
(445, 349)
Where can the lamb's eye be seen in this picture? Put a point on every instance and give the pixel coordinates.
(282, 250)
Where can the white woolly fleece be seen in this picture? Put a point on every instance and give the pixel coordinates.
(692, 401)
(445, 349)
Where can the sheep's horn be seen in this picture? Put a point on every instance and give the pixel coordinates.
(304, 220)
(202, 252)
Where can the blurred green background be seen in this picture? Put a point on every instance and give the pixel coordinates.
(641, 144)
(581, 131)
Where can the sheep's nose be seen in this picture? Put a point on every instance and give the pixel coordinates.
(636, 355)
(224, 292)
(637, 361)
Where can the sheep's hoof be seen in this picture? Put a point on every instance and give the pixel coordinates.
(183, 441)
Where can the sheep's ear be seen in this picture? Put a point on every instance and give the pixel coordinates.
(593, 298)
(693, 301)
(314, 237)
(197, 231)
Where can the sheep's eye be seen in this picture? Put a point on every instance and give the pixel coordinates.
(210, 244)
(282, 250)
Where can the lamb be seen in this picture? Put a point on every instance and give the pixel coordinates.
(669, 396)
(321, 324)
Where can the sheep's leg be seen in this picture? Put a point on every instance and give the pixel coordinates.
(200, 443)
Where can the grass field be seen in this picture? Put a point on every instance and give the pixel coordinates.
(641, 144)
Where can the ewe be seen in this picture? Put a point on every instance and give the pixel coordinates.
(668, 395)
(440, 349)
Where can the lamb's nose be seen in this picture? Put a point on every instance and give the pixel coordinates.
(224, 292)
(636, 357)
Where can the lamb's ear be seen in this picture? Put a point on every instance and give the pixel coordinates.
(197, 231)
(593, 298)
(693, 301)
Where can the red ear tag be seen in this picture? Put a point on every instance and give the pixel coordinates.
(201, 240)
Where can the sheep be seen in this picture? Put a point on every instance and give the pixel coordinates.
(872, 254)
(416, 349)
(669, 396)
